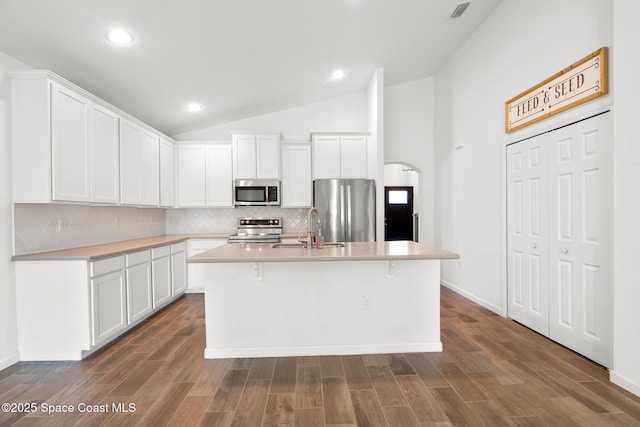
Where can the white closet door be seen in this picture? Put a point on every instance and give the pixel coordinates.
(580, 237)
(527, 204)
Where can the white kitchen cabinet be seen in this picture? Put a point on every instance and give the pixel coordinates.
(256, 156)
(68, 309)
(70, 150)
(161, 275)
(205, 175)
(66, 146)
(139, 291)
(297, 180)
(340, 155)
(219, 176)
(105, 155)
(108, 299)
(178, 268)
(139, 165)
(167, 173)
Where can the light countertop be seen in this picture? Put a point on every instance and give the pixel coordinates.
(115, 248)
(354, 251)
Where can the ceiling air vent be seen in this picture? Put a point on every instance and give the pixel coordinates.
(460, 10)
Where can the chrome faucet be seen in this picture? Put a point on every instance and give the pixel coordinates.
(309, 239)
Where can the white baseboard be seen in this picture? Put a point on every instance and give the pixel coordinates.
(226, 353)
(625, 383)
(11, 359)
(473, 298)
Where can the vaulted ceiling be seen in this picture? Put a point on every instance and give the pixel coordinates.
(238, 58)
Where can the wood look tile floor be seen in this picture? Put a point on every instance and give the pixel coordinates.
(492, 372)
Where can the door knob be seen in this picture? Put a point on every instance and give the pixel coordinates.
(533, 245)
(565, 250)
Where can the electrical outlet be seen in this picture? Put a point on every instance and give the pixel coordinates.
(116, 221)
(62, 224)
(365, 303)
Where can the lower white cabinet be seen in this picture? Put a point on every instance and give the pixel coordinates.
(138, 285)
(108, 299)
(161, 271)
(178, 268)
(67, 309)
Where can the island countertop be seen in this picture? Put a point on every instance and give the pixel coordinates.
(352, 251)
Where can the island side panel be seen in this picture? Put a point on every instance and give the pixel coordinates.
(319, 308)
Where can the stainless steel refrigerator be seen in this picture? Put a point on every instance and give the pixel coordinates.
(347, 209)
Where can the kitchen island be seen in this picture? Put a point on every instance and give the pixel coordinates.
(362, 298)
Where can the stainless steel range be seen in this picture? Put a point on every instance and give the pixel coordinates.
(257, 230)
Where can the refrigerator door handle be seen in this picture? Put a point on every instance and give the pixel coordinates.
(342, 212)
(349, 218)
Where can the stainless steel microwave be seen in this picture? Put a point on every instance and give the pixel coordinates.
(256, 192)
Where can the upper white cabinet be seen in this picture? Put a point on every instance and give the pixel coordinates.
(204, 175)
(105, 155)
(167, 173)
(139, 165)
(70, 150)
(256, 155)
(340, 155)
(66, 146)
(297, 191)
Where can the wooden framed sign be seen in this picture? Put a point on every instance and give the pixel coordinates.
(581, 82)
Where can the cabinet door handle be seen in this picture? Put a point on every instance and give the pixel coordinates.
(565, 250)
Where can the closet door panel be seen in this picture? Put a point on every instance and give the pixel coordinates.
(580, 243)
(527, 266)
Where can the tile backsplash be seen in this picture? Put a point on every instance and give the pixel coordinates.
(221, 220)
(45, 227)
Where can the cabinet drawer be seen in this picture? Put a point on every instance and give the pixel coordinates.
(107, 265)
(135, 258)
(178, 247)
(162, 251)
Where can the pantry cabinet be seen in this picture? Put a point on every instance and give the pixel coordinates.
(205, 175)
(340, 155)
(297, 180)
(256, 156)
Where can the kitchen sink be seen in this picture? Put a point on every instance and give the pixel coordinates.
(302, 245)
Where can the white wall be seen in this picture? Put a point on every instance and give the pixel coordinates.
(626, 316)
(408, 134)
(375, 118)
(347, 113)
(8, 325)
(509, 53)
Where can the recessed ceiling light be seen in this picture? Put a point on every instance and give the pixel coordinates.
(193, 107)
(120, 37)
(337, 75)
